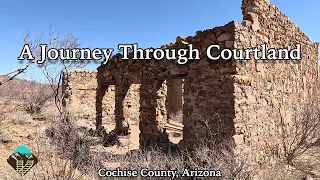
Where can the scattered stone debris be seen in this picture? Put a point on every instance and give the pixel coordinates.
(5, 136)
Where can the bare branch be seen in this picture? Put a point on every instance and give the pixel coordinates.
(15, 73)
(54, 70)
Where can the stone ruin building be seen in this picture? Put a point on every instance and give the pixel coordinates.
(249, 96)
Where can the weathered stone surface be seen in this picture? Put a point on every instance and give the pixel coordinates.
(246, 23)
(224, 37)
(275, 86)
(79, 88)
(5, 136)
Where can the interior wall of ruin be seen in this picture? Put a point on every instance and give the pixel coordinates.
(174, 97)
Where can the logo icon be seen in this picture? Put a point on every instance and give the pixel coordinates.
(22, 160)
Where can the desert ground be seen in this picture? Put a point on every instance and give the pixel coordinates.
(68, 150)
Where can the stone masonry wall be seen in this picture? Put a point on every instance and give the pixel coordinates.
(81, 87)
(276, 89)
(244, 100)
(80, 93)
(234, 98)
(208, 87)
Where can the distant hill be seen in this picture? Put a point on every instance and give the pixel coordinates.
(16, 89)
(3, 78)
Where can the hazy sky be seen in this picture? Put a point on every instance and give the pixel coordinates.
(105, 24)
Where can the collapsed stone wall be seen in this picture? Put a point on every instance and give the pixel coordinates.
(79, 88)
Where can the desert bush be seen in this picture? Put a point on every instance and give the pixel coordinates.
(53, 166)
(216, 152)
(281, 171)
(152, 158)
(9, 96)
(70, 145)
(202, 158)
(10, 90)
(18, 117)
(32, 98)
(50, 111)
(35, 96)
(302, 133)
(63, 154)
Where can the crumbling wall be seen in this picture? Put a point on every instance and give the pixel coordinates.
(244, 100)
(138, 95)
(208, 87)
(208, 90)
(80, 93)
(251, 97)
(276, 89)
(80, 87)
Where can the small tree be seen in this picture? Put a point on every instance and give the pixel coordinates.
(35, 96)
(55, 70)
(303, 133)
